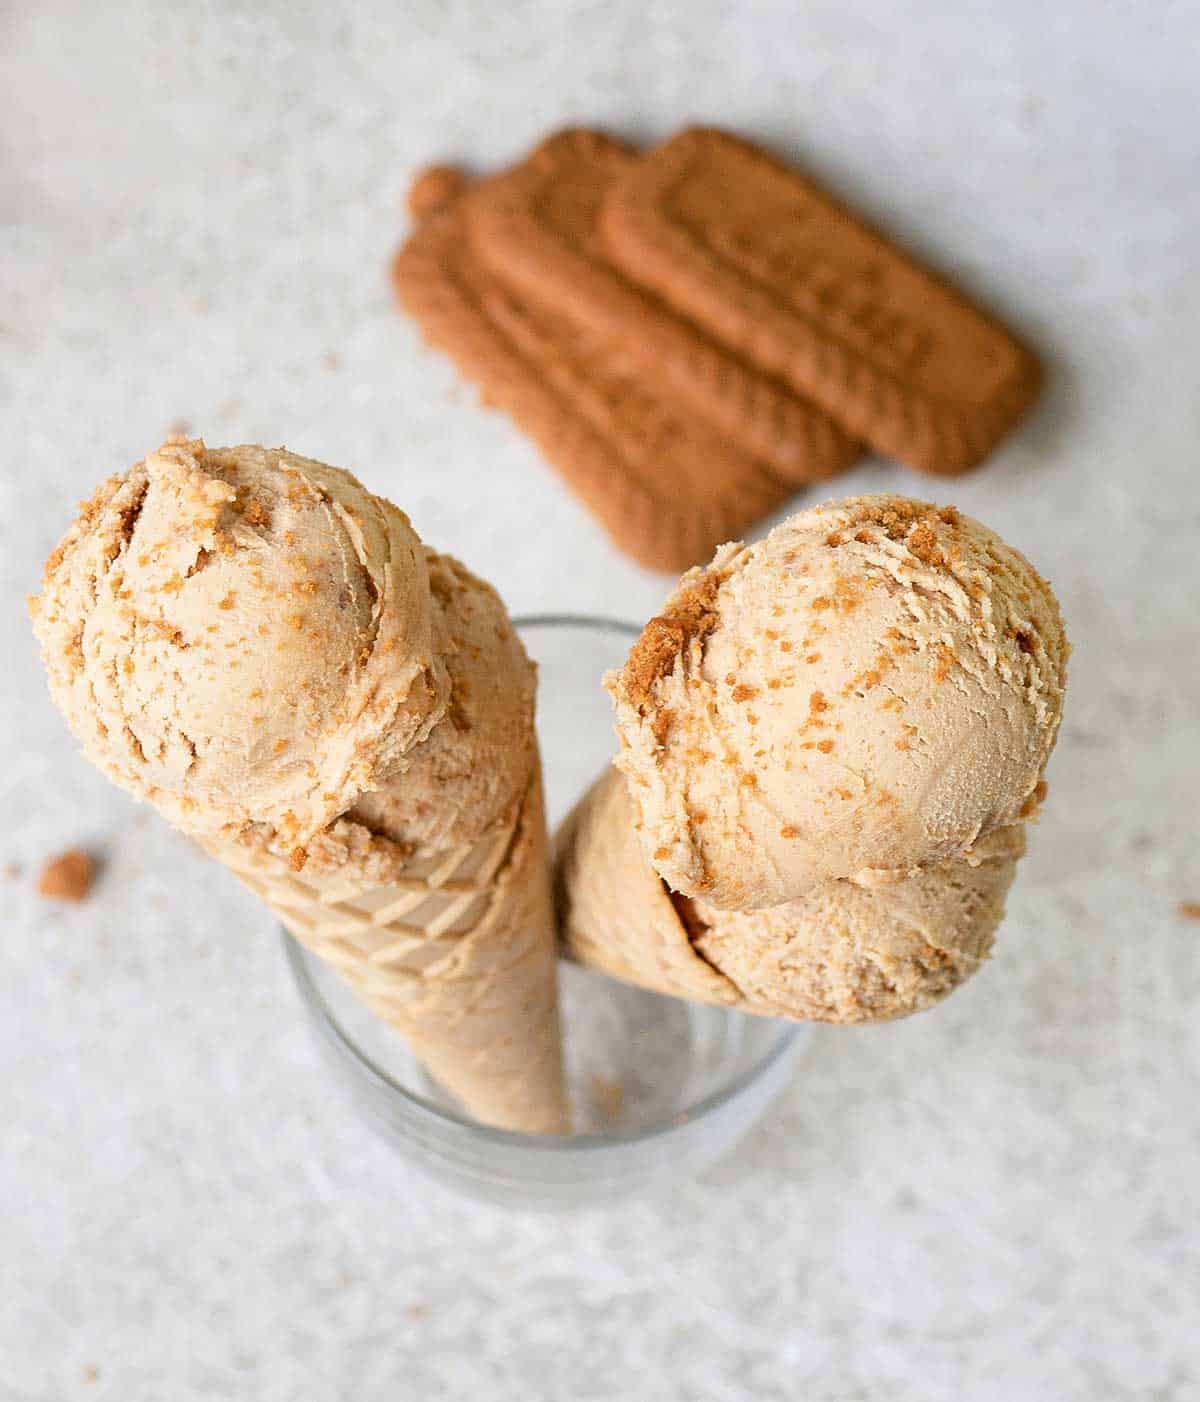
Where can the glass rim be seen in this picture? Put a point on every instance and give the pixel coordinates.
(296, 955)
(596, 622)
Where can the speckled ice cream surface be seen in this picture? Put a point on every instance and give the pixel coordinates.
(869, 690)
(242, 636)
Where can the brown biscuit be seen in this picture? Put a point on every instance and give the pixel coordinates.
(538, 228)
(665, 487)
(775, 268)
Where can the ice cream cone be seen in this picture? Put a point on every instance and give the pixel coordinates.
(615, 914)
(265, 651)
(829, 743)
(843, 953)
(448, 946)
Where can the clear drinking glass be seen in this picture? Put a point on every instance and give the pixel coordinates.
(659, 1087)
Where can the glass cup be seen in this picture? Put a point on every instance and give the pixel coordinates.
(659, 1087)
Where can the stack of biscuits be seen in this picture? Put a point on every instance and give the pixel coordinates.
(691, 333)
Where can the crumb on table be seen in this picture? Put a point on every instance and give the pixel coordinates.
(68, 876)
(1189, 910)
(609, 1096)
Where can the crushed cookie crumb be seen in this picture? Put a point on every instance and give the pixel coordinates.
(608, 1096)
(744, 692)
(944, 663)
(787, 832)
(894, 518)
(254, 511)
(662, 724)
(664, 639)
(923, 543)
(456, 710)
(68, 876)
(1035, 800)
(1188, 910)
(846, 595)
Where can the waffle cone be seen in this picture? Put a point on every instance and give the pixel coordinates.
(843, 953)
(615, 914)
(453, 947)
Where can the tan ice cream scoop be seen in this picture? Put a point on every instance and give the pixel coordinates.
(870, 690)
(242, 635)
(849, 953)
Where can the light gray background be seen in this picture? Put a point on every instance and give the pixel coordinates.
(996, 1201)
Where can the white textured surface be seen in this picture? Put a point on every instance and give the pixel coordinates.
(997, 1201)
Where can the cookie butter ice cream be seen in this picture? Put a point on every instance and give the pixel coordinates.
(842, 953)
(478, 761)
(242, 635)
(850, 953)
(870, 690)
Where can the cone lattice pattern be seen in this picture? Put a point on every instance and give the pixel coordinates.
(455, 950)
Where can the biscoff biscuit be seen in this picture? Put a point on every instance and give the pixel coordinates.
(538, 228)
(775, 268)
(665, 487)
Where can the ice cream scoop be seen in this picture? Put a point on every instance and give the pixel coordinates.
(869, 691)
(849, 953)
(242, 635)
